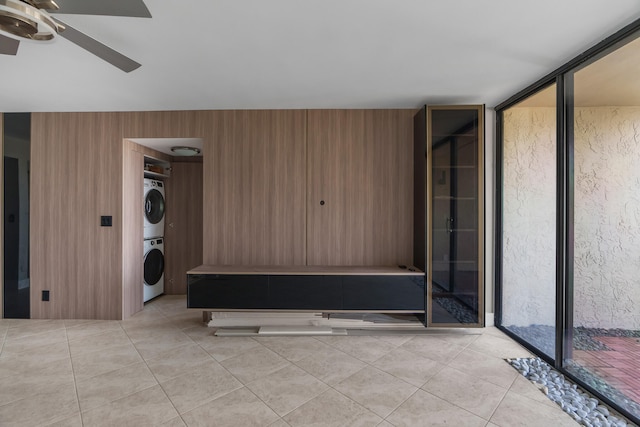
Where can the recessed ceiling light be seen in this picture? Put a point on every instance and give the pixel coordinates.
(185, 151)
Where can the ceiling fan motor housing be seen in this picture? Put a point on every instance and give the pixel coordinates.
(32, 20)
(24, 21)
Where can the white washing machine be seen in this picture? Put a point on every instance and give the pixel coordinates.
(153, 268)
(153, 208)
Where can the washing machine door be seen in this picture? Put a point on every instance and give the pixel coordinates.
(154, 206)
(153, 266)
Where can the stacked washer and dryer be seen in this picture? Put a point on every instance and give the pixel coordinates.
(154, 207)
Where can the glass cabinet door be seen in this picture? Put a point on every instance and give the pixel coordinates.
(454, 215)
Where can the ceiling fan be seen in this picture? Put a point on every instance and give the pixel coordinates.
(32, 20)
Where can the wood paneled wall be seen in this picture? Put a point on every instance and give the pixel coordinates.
(159, 124)
(361, 167)
(76, 176)
(261, 192)
(183, 225)
(255, 186)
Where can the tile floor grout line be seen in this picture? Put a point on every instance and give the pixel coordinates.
(402, 379)
(102, 350)
(374, 367)
(73, 373)
(281, 416)
(342, 394)
(402, 403)
(500, 402)
(265, 403)
(173, 405)
(158, 383)
(357, 403)
(227, 371)
(180, 415)
(4, 338)
(456, 405)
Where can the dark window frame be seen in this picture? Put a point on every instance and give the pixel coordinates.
(563, 79)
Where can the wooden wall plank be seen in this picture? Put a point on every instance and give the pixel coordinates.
(361, 165)
(255, 184)
(132, 228)
(183, 225)
(159, 124)
(76, 175)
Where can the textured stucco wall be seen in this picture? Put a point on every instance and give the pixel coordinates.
(607, 217)
(529, 217)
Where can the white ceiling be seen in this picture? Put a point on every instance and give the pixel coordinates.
(245, 54)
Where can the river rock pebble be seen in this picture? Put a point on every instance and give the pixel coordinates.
(580, 405)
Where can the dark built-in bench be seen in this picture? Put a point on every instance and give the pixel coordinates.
(306, 288)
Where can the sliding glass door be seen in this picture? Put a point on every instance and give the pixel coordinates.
(529, 220)
(568, 220)
(604, 132)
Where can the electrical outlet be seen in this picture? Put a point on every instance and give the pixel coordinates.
(45, 295)
(106, 221)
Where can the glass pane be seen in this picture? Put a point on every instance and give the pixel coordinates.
(529, 220)
(455, 295)
(17, 156)
(606, 310)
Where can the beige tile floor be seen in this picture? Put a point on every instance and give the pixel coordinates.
(163, 367)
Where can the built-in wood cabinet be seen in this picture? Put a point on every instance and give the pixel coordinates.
(359, 193)
(156, 168)
(255, 186)
(448, 212)
(307, 288)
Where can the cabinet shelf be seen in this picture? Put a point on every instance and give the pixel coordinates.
(453, 198)
(151, 162)
(449, 135)
(150, 174)
(457, 230)
(455, 167)
(459, 261)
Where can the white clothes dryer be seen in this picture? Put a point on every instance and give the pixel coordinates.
(153, 268)
(154, 207)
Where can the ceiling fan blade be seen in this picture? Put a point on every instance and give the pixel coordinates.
(100, 50)
(8, 46)
(134, 8)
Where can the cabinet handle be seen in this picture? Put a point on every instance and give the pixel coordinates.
(321, 202)
(449, 225)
